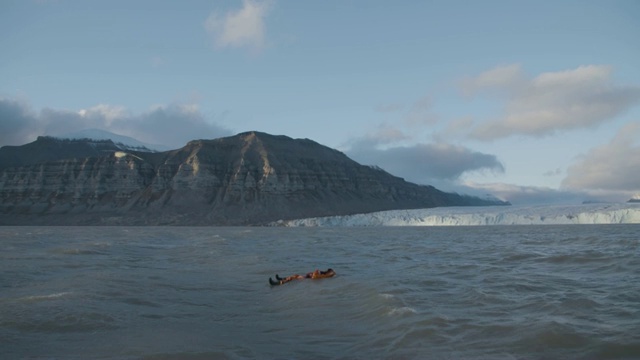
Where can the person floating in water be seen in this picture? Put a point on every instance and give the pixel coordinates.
(312, 275)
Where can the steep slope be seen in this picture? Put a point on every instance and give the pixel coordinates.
(250, 178)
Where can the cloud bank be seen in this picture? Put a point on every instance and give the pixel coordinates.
(18, 124)
(239, 28)
(606, 173)
(431, 163)
(550, 102)
(169, 125)
(614, 167)
(523, 194)
(394, 146)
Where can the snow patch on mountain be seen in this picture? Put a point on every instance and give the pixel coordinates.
(627, 213)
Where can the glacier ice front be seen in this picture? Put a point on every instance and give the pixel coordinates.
(627, 213)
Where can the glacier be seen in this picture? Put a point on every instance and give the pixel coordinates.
(623, 213)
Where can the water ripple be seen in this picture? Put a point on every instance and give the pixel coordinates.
(521, 292)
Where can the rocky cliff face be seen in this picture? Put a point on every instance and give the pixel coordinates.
(250, 178)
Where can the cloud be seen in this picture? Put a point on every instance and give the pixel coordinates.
(422, 163)
(395, 146)
(555, 172)
(551, 102)
(103, 112)
(501, 79)
(240, 28)
(173, 124)
(17, 123)
(526, 195)
(454, 128)
(607, 173)
(170, 125)
(420, 113)
(383, 135)
(614, 167)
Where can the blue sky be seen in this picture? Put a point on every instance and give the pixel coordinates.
(531, 101)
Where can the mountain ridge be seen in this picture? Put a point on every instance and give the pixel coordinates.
(251, 178)
(122, 141)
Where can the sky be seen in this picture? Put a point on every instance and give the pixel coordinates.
(530, 101)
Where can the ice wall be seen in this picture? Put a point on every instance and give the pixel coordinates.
(627, 213)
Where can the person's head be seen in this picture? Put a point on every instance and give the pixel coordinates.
(329, 271)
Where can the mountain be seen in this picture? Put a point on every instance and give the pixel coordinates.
(248, 179)
(47, 149)
(121, 141)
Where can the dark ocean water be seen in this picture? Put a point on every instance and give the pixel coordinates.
(493, 292)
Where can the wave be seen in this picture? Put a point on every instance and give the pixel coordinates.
(405, 310)
(37, 298)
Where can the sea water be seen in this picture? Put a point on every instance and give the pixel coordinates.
(493, 292)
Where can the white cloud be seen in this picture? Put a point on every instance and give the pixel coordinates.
(614, 167)
(103, 111)
(240, 28)
(170, 125)
(551, 102)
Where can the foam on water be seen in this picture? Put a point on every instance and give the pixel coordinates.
(402, 311)
(54, 296)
